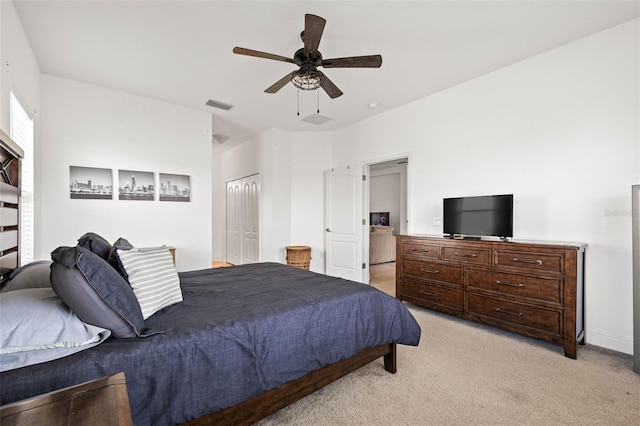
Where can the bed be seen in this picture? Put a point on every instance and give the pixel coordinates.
(243, 342)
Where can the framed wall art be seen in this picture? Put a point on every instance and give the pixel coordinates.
(136, 185)
(174, 187)
(90, 183)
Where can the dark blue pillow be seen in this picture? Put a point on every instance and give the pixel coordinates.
(96, 244)
(114, 259)
(95, 291)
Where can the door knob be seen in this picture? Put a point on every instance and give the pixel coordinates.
(328, 230)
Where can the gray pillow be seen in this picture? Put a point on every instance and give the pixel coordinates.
(32, 275)
(95, 291)
(96, 244)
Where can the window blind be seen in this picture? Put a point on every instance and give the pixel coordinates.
(21, 131)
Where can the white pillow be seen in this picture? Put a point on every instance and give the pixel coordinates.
(153, 278)
(36, 326)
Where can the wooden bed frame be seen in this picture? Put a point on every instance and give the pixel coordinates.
(103, 401)
(261, 406)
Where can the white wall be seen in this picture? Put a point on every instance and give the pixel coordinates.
(269, 155)
(291, 168)
(311, 157)
(18, 67)
(560, 131)
(275, 181)
(237, 163)
(218, 210)
(85, 125)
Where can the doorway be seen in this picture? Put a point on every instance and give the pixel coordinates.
(387, 212)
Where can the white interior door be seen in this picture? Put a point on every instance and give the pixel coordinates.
(343, 233)
(250, 219)
(234, 228)
(243, 220)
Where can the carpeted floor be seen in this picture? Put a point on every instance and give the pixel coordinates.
(464, 373)
(383, 277)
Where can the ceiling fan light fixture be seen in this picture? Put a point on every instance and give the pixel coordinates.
(306, 79)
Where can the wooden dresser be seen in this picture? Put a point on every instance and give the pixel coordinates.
(531, 288)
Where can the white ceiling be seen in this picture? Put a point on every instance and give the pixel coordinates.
(181, 51)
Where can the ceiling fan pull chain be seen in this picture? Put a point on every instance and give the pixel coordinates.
(298, 92)
(318, 102)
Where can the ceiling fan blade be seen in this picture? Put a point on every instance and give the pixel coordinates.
(370, 61)
(258, 54)
(313, 28)
(328, 86)
(280, 83)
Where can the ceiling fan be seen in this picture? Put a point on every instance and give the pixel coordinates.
(308, 59)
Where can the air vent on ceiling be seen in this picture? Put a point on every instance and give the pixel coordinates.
(316, 119)
(219, 105)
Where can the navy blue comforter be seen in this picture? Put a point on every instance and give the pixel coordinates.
(239, 332)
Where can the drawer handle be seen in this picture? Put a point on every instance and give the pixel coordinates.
(515, 314)
(533, 262)
(428, 293)
(415, 249)
(464, 254)
(510, 284)
(430, 271)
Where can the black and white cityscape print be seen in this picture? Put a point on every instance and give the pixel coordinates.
(136, 185)
(90, 183)
(174, 187)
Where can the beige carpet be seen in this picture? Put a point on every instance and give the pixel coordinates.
(383, 277)
(463, 373)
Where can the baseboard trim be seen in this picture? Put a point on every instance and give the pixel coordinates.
(617, 344)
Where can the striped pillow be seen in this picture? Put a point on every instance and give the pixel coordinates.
(153, 278)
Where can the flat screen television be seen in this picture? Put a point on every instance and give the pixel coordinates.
(484, 216)
(379, 218)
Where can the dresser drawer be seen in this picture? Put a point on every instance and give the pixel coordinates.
(431, 251)
(542, 319)
(469, 255)
(433, 294)
(549, 289)
(530, 260)
(433, 271)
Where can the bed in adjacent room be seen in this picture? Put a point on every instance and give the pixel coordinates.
(240, 343)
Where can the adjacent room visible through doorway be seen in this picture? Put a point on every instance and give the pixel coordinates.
(387, 218)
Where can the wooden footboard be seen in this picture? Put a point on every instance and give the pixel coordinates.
(261, 406)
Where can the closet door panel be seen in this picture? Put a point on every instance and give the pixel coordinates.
(250, 220)
(243, 220)
(234, 224)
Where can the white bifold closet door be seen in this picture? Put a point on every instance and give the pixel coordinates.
(243, 220)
